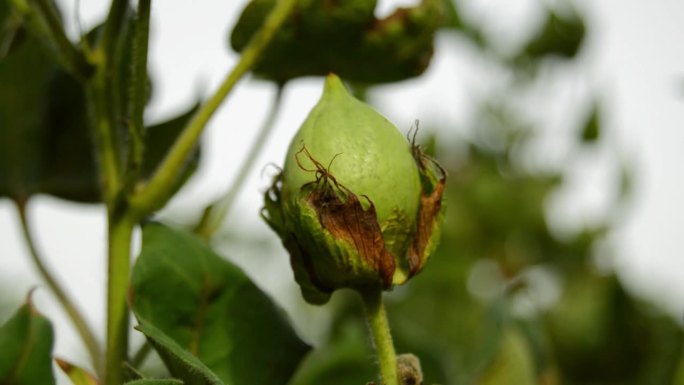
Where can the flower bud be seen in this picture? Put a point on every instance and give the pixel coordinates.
(355, 205)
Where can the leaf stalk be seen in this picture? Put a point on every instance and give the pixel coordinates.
(216, 213)
(77, 319)
(157, 191)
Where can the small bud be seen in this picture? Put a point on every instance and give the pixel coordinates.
(356, 205)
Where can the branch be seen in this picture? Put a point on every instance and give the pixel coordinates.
(77, 319)
(158, 190)
(217, 212)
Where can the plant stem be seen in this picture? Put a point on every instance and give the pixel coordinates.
(72, 58)
(77, 319)
(119, 259)
(138, 96)
(104, 138)
(382, 338)
(112, 27)
(141, 355)
(105, 102)
(217, 212)
(157, 191)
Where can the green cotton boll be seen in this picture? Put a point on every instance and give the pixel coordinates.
(356, 205)
(371, 156)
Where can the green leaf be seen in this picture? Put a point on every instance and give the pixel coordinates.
(159, 139)
(592, 126)
(341, 361)
(24, 74)
(45, 143)
(68, 170)
(346, 38)
(211, 308)
(77, 375)
(25, 347)
(178, 360)
(513, 364)
(596, 327)
(561, 36)
(156, 382)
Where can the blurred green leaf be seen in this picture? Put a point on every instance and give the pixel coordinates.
(452, 17)
(69, 170)
(561, 35)
(345, 38)
(77, 375)
(602, 335)
(25, 348)
(180, 362)
(45, 144)
(156, 382)
(25, 75)
(513, 364)
(344, 360)
(211, 308)
(679, 375)
(592, 126)
(159, 139)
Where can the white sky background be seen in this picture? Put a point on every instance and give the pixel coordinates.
(634, 59)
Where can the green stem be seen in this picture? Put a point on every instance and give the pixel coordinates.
(72, 58)
(103, 96)
(119, 260)
(158, 190)
(138, 97)
(382, 338)
(217, 212)
(113, 27)
(141, 355)
(104, 137)
(77, 319)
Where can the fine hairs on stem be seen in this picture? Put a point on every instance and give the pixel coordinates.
(380, 333)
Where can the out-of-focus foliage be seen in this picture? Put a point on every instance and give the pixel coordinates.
(76, 374)
(26, 340)
(592, 127)
(346, 38)
(45, 144)
(561, 35)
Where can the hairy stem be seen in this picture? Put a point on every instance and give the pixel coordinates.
(380, 332)
(103, 95)
(119, 260)
(77, 319)
(112, 27)
(104, 138)
(153, 195)
(138, 96)
(217, 212)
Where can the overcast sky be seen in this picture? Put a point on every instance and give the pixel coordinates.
(634, 60)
